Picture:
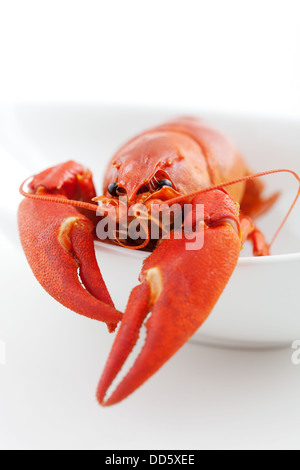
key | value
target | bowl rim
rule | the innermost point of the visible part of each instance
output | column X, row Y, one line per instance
column 243, row 261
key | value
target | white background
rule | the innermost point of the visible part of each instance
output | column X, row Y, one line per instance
column 230, row 56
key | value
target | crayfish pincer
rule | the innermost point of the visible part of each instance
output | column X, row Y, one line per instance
column 164, row 192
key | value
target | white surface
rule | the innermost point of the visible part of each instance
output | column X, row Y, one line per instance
column 203, row 398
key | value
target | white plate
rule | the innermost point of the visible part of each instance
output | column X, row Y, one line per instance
column 261, row 303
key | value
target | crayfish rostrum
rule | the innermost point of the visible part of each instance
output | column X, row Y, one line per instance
column 184, row 164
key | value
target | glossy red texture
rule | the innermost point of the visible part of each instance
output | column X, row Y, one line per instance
column 191, row 154
column 180, row 300
column 179, row 287
column 58, row 242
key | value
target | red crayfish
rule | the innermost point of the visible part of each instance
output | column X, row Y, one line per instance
column 182, row 162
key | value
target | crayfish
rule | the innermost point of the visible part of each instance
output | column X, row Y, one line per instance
column 183, row 164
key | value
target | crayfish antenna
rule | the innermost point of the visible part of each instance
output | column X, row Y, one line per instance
column 270, row 202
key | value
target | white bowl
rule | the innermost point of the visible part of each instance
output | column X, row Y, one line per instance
column 259, row 307
column 261, row 304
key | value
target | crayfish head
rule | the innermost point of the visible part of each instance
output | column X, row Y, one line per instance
column 153, row 160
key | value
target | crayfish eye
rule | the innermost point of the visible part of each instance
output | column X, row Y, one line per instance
column 112, row 189
column 115, row 190
column 143, row 189
column 165, row 182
